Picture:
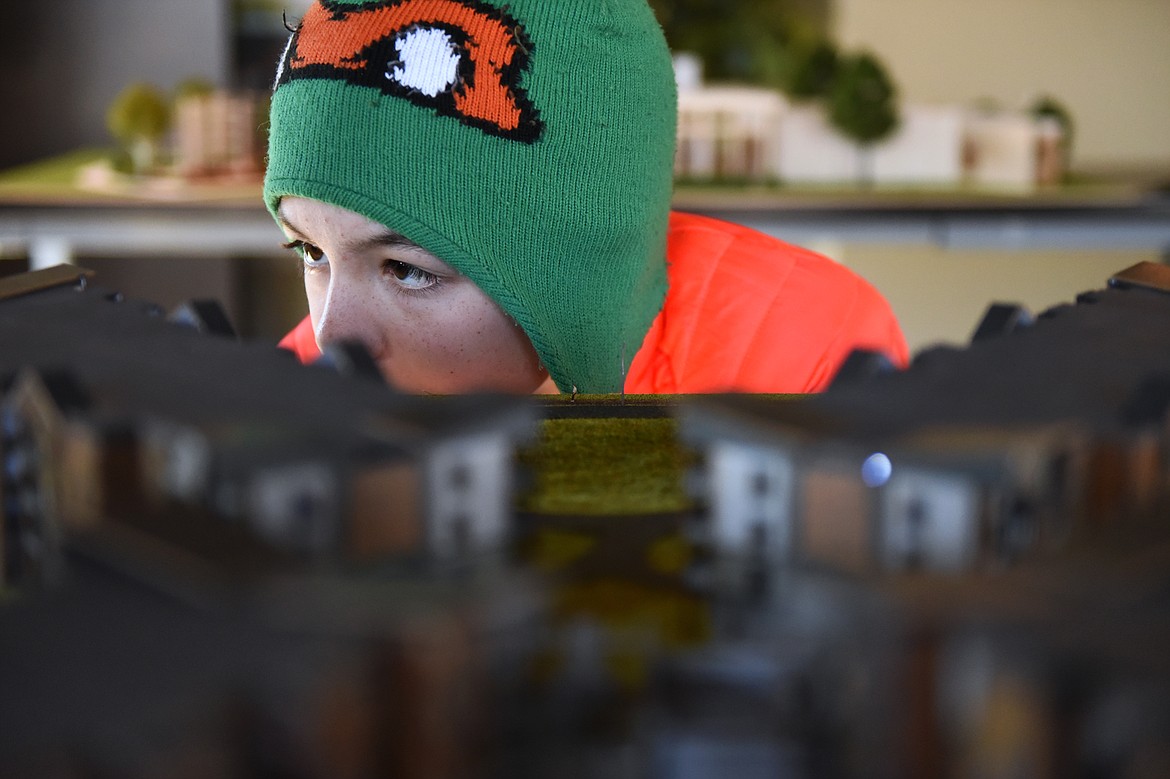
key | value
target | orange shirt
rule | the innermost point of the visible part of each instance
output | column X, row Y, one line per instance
column 744, row 312
column 747, row 312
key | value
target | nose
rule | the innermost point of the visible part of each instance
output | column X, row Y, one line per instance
column 349, row 314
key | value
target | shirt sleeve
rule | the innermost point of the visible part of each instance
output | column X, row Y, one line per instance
column 747, row 312
column 869, row 323
column 302, row 342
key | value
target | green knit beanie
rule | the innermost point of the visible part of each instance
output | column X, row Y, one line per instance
column 528, row 144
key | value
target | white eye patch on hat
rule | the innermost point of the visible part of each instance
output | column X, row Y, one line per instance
column 428, row 61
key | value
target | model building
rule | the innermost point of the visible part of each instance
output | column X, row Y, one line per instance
column 955, row 570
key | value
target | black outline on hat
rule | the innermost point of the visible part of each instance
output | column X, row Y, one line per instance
column 381, row 54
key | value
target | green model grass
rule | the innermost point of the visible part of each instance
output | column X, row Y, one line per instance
column 52, row 173
column 605, row 467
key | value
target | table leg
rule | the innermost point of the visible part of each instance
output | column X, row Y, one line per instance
column 45, row 252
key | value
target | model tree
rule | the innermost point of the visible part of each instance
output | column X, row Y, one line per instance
column 812, row 69
column 863, row 106
column 746, row 41
column 138, row 118
column 194, row 86
column 1048, row 107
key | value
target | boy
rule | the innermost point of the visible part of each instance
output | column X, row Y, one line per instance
column 480, row 193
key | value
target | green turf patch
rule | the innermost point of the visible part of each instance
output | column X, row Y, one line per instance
column 605, row 467
column 58, row 171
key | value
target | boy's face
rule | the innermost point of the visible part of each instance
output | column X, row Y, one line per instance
column 428, row 327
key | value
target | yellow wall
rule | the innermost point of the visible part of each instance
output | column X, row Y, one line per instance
column 939, row 295
column 1107, row 60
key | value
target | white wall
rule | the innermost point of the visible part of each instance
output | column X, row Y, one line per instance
column 1108, row 60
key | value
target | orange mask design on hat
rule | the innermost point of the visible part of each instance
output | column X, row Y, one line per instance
column 363, row 43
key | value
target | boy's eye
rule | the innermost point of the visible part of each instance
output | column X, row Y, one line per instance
column 312, row 252
column 410, row 276
column 312, row 255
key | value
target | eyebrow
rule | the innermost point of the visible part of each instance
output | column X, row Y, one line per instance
column 384, row 239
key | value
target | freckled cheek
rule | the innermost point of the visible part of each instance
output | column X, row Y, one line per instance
column 461, row 330
column 451, row 330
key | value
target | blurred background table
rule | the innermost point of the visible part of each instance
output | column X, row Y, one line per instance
column 48, row 217
column 146, row 237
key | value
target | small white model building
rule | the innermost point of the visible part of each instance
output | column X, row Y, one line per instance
column 810, row 151
column 926, row 149
column 1014, row 151
column 744, row 134
column 947, row 500
column 728, row 133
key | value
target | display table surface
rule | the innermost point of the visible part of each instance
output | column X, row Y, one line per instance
column 49, row 215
